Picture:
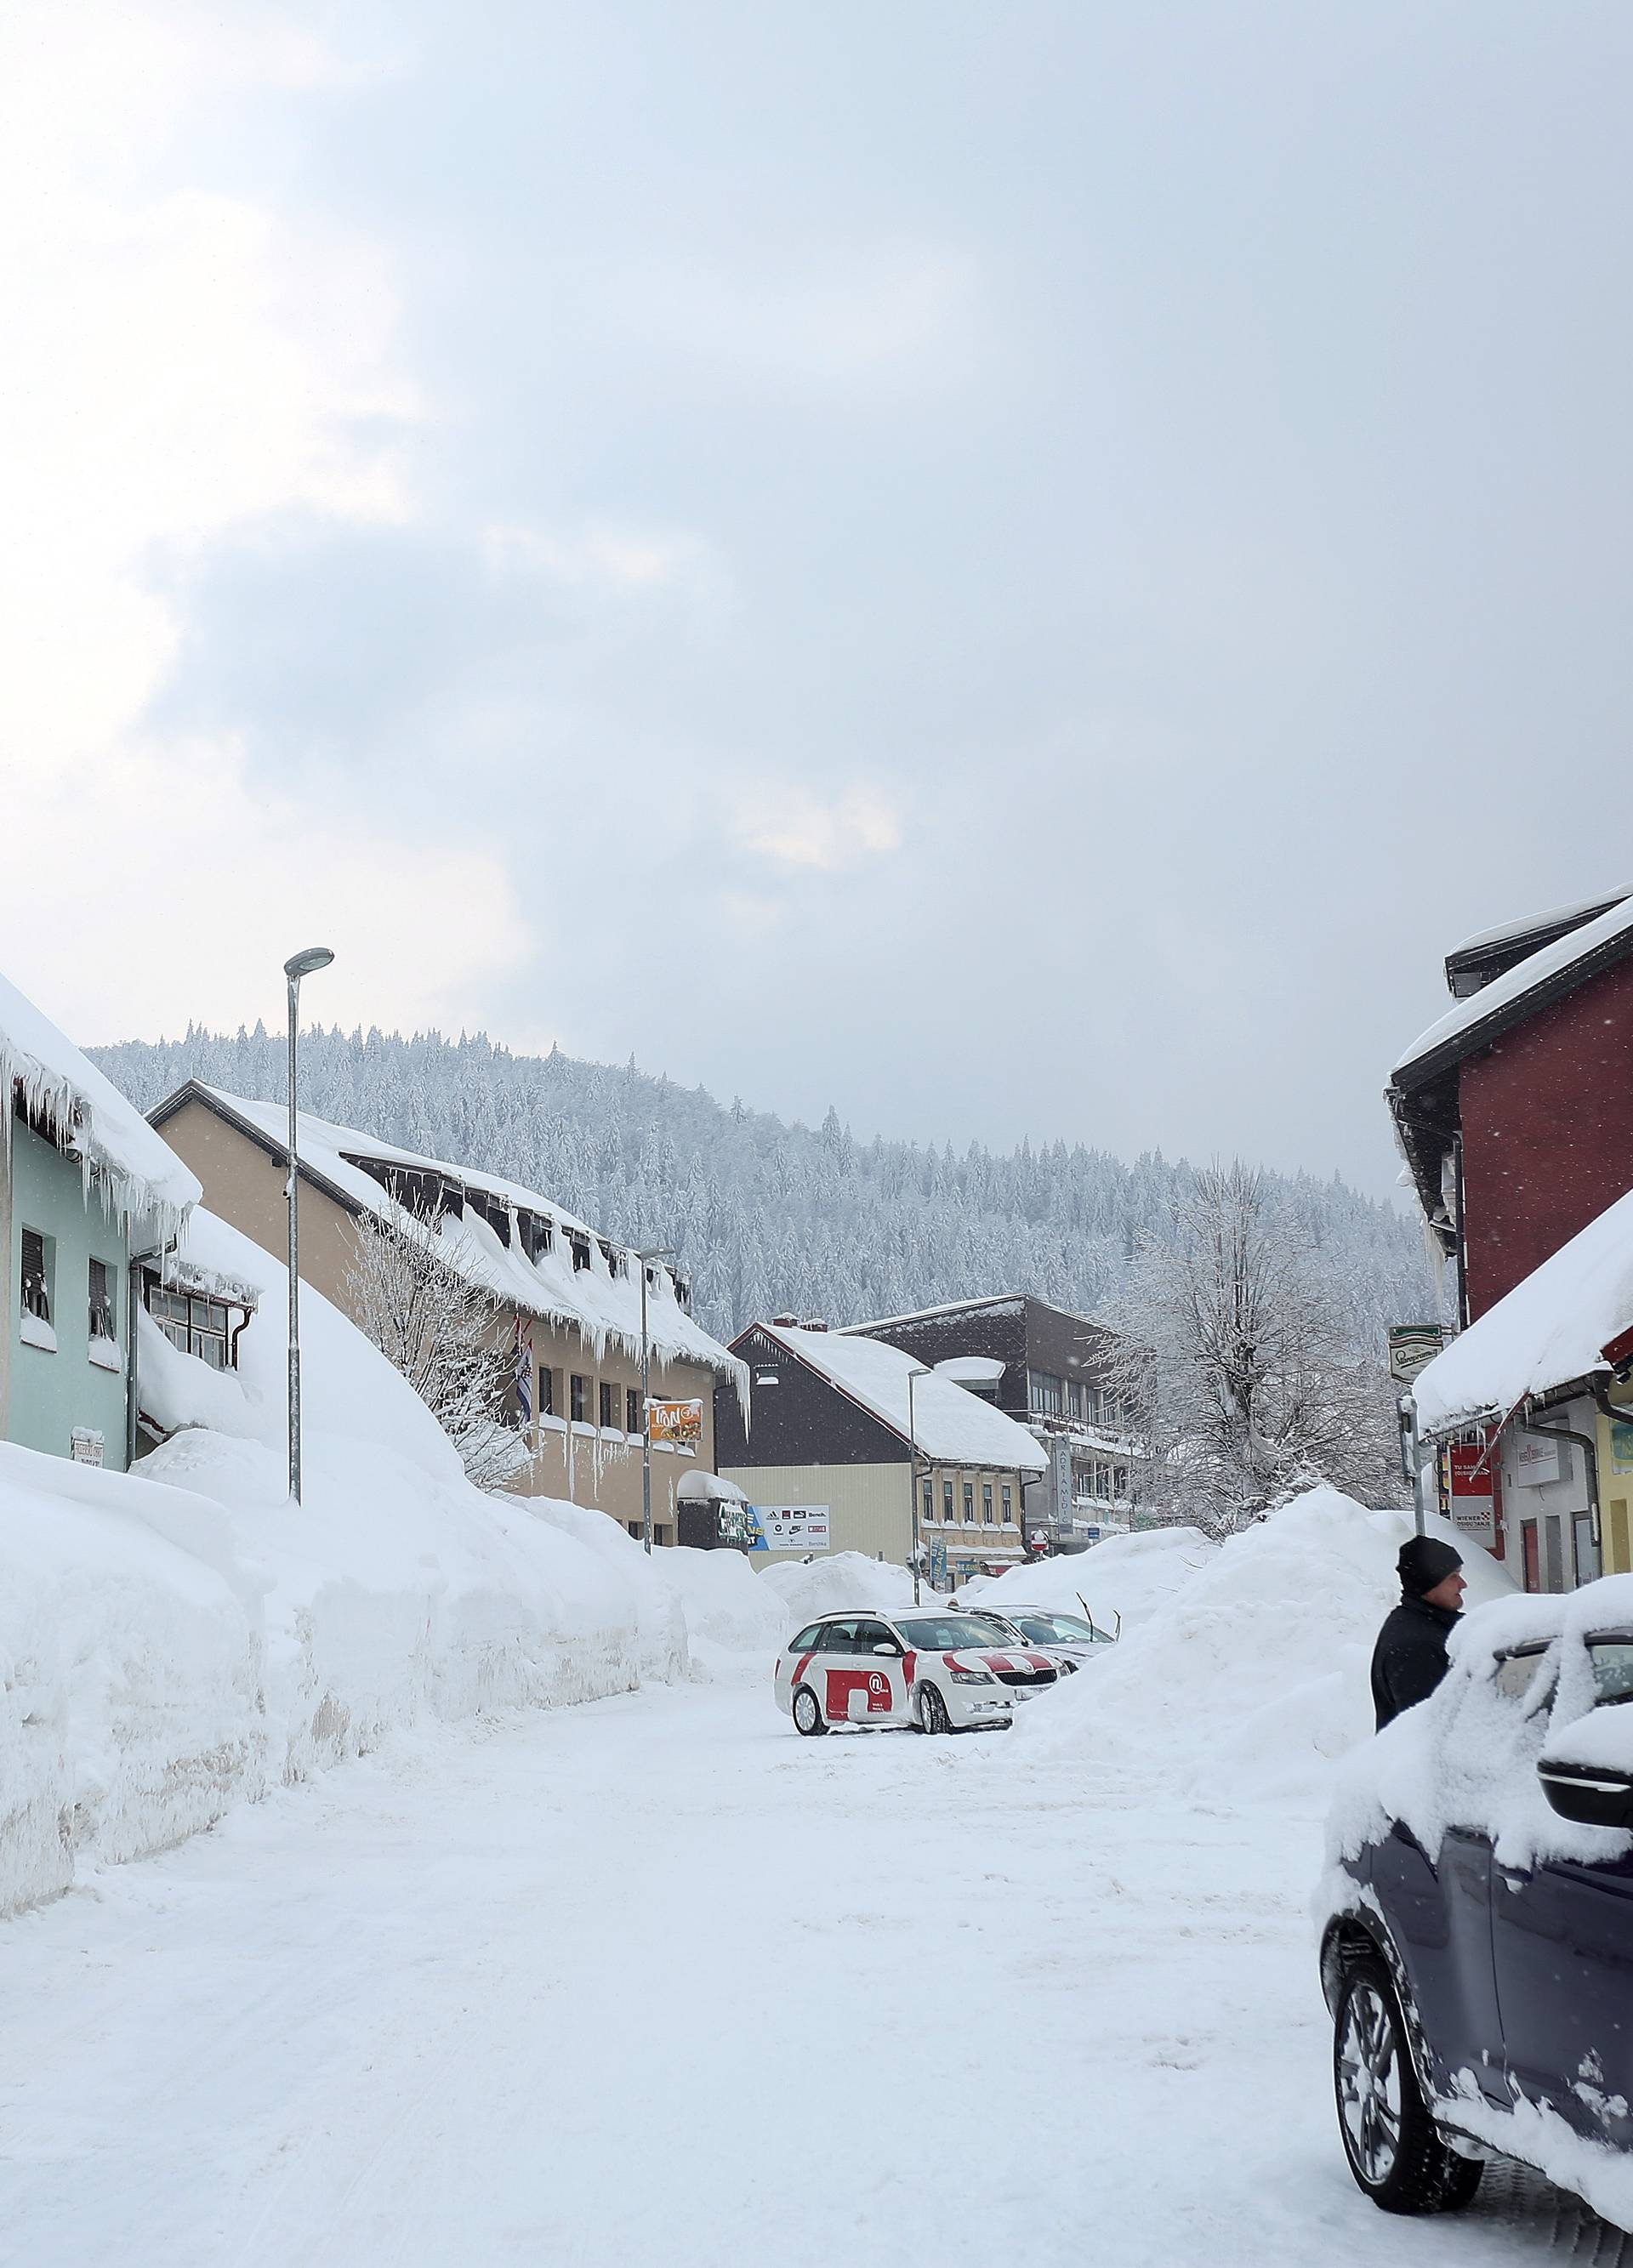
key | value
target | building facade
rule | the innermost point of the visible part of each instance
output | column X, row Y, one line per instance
column 831, row 1423
column 1510, row 1114
column 87, row 1191
column 1052, row 1380
column 567, row 1300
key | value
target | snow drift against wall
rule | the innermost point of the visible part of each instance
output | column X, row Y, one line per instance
column 181, row 1639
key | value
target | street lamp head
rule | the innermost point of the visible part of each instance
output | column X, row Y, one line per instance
column 304, row 964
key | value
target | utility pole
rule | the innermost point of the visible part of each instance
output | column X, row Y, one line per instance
column 913, row 1376
column 645, row 1259
column 299, row 965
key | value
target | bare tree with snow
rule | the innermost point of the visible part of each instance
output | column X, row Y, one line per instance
column 1234, row 1352
column 444, row 1333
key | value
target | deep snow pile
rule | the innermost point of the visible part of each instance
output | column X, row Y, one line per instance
column 723, row 1600
column 1252, row 1679
column 839, row 1581
column 182, row 1637
column 1120, row 1583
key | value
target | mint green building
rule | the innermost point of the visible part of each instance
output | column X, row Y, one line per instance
column 86, row 1189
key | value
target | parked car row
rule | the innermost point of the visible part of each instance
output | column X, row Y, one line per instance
column 932, row 1669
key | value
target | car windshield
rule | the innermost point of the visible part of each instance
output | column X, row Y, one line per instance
column 1060, row 1630
column 946, row 1631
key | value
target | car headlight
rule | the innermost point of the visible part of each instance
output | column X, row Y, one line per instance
column 973, row 1677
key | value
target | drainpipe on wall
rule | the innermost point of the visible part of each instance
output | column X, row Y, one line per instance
column 133, row 1301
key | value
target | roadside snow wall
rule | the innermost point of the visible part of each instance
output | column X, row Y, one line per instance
column 181, row 1639
column 1122, row 1583
column 1252, row 1679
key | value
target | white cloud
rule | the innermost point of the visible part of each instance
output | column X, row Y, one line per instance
column 798, row 829
column 189, row 362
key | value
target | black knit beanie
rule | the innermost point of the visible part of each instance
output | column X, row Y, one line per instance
column 1425, row 1561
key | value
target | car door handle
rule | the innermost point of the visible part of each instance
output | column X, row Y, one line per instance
column 1512, row 1878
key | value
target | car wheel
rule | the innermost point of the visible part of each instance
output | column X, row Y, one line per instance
column 807, row 1717
column 933, row 1716
column 1394, row 2149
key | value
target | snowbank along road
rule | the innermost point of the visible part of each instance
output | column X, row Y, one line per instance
column 653, row 1981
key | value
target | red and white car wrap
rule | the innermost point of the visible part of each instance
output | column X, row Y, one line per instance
column 931, row 1669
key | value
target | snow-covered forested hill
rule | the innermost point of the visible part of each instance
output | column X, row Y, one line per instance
column 764, row 1215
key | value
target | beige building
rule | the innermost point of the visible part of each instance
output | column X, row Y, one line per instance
column 878, row 1445
column 568, row 1299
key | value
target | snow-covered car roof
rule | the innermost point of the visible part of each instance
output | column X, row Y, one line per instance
column 1552, row 1328
column 603, row 1306
column 136, row 1173
column 950, row 1425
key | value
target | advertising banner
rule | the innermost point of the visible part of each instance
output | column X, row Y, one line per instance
column 1470, row 1495
column 679, row 1423
column 789, row 1527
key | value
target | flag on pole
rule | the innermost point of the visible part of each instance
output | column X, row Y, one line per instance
column 524, row 1368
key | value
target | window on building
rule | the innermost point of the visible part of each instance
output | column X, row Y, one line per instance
column 37, row 1288
column 947, row 1502
column 608, row 1405
column 1103, row 1480
column 547, row 1392
column 635, row 1529
column 1120, row 1481
column 631, row 1409
column 1044, row 1393
column 101, row 1310
column 928, row 1508
column 659, row 1533
column 683, row 1295
column 618, row 1262
column 578, row 1393
column 987, row 1503
column 1009, row 1505
column 1077, row 1395
column 580, row 1254
column 969, row 1504
column 536, row 1235
column 192, row 1323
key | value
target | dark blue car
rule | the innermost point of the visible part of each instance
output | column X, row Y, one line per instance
column 1477, row 1956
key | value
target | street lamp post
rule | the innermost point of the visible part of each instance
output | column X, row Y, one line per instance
column 659, row 1253
column 913, row 1376
column 300, row 964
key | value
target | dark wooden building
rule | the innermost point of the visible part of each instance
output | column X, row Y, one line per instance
column 853, row 1429
column 1053, row 1381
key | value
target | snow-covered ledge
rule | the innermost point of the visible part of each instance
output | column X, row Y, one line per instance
column 107, row 1354
column 37, row 1332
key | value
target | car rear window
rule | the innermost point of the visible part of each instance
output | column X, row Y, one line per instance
column 1613, row 1667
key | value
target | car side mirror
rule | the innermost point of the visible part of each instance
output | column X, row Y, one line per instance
column 883, row 1646
column 1592, row 1795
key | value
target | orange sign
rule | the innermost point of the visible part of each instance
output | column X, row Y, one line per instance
column 679, row 1423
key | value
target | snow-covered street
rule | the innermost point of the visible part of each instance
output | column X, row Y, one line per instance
column 651, row 1980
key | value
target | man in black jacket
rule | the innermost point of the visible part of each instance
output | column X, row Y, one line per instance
column 1409, row 1659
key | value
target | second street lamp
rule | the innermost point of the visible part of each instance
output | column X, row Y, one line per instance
column 913, row 1376
column 299, row 964
column 646, row 1259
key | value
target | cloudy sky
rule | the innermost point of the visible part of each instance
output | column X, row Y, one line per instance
column 1018, row 569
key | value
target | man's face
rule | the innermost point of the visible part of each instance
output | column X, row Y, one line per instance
column 1448, row 1592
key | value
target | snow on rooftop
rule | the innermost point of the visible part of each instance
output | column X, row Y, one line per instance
column 140, row 1176
column 1505, row 932
column 1549, row 1331
column 1523, row 977
column 1002, row 1303
column 951, row 1425
column 605, row 1308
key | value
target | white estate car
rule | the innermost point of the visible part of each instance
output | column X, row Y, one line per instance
column 939, row 1672
column 1070, row 1640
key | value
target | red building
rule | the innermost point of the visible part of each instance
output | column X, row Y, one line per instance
column 1514, row 1111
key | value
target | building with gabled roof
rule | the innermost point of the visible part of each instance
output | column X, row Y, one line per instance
column 569, row 1298
column 836, row 1429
